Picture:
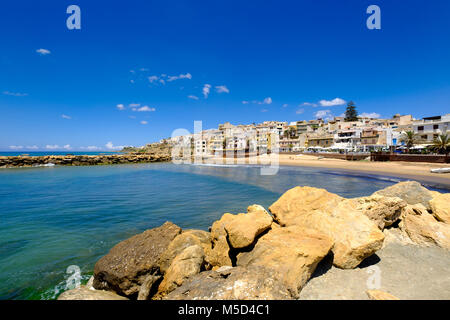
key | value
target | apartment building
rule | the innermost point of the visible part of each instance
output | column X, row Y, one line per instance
column 429, row 128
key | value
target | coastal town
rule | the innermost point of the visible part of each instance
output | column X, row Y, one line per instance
column 359, row 134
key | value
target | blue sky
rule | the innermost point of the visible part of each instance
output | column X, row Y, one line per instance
column 263, row 60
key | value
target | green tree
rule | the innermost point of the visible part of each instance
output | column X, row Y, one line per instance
column 441, row 144
column 409, row 138
column 350, row 113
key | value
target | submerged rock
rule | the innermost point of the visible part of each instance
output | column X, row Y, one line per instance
column 88, row 293
column 128, row 264
column 354, row 235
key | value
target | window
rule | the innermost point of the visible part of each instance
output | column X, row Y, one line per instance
column 435, row 126
column 420, row 128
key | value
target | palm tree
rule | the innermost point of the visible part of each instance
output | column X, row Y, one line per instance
column 441, row 144
column 409, row 138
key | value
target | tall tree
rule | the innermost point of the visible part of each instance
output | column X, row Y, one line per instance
column 350, row 113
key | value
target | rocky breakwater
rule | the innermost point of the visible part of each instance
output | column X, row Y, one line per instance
column 80, row 160
column 269, row 254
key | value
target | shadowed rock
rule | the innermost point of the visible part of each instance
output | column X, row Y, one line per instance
column 232, row 283
column 128, row 264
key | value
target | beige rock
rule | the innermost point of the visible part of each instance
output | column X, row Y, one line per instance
column 232, row 283
column 86, row 293
column 236, row 232
column 384, row 211
column 410, row 191
column 186, row 264
column 423, row 229
column 128, row 264
column 186, row 239
column 292, row 253
column 380, row 295
column 355, row 236
column 440, row 206
column 245, row 227
column 220, row 252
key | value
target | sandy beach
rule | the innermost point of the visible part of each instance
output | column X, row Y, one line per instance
column 408, row 170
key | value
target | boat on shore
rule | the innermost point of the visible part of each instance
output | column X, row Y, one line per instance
column 440, row 170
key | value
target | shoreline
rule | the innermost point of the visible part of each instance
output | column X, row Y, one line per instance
column 404, row 170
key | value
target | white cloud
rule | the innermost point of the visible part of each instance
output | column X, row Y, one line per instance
column 144, row 109
column 120, row 107
column 144, row 122
column 91, row 148
column 32, row 147
column 67, row 147
column 331, row 103
column 264, row 110
column 245, row 102
column 181, row 76
column 15, row 94
column 153, row 78
column 43, row 51
column 111, row 146
column 16, row 147
column 324, row 115
column 65, row 116
column 52, row 147
column 220, row 89
column 309, row 104
column 300, row 111
column 370, row 115
column 285, row 105
column 134, row 105
column 193, row 97
column 205, row 90
column 267, row 100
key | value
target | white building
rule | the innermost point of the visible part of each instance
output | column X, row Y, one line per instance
column 430, row 128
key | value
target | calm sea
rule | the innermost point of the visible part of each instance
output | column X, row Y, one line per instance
column 55, row 217
column 47, row 153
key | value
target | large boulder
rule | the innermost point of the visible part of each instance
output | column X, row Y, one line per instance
column 423, row 229
column 130, row 263
column 188, row 263
column 243, row 229
column 410, row 191
column 220, row 251
column 440, row 206
column 355, row 236
column 235, row 232
column 292, row 253
column 184, row 240
column 88, row 293
column 232, row 283
column 384, row 211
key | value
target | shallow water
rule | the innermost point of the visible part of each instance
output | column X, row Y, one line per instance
column 55, row 217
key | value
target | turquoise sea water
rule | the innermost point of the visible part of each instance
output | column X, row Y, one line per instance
column 54, row 217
